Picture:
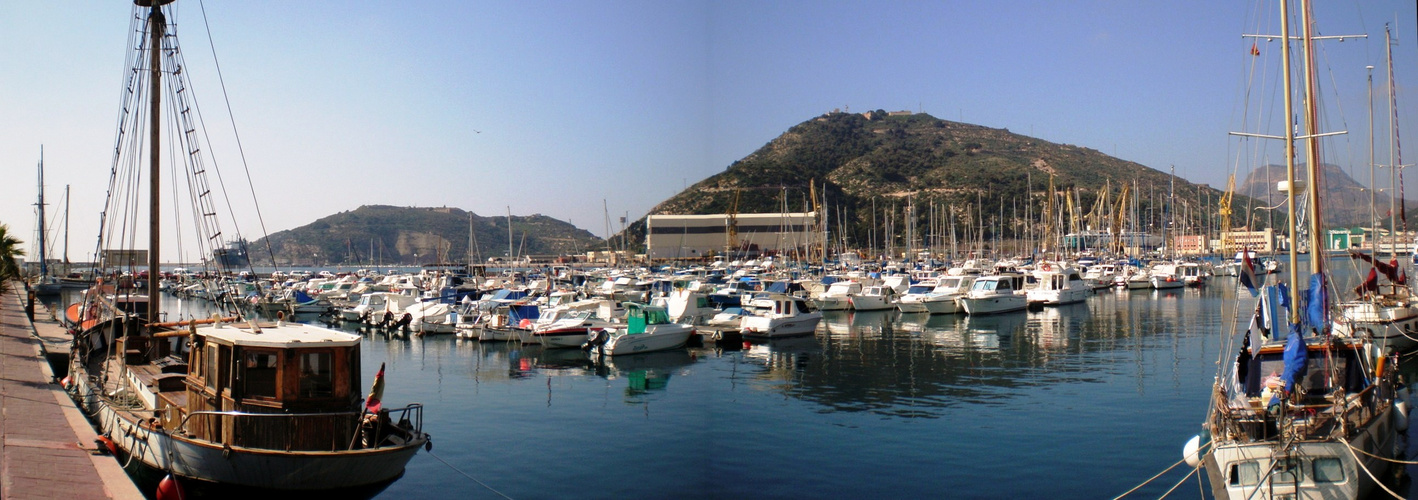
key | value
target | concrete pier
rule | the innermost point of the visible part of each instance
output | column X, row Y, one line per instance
column 47, row 448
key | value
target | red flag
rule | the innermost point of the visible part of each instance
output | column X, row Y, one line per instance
column 1255, row 51
column 376, row 392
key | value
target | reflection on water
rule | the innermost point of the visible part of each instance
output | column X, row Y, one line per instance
column 950, row 401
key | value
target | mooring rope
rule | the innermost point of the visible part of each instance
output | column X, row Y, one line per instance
column 460, row 471
column 1367, row 472
column 1390, row 460
column 1179, row 483
column 1159, row 474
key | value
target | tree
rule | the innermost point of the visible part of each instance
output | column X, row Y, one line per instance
column 9, row 249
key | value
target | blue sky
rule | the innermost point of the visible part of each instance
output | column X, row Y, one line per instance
column 560, row 107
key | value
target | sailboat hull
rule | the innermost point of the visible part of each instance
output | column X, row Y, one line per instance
column 1322, row 469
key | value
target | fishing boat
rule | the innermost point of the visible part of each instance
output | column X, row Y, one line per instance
column 228, row 404
column 1298, row 409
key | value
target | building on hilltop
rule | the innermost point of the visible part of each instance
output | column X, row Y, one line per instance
column 699, row 236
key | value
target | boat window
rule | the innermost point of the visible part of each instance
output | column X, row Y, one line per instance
column 210, row 363
column 1245, row 473
column 984, row 285
column 261, row 368
column 1287, row 471
column 316, row 375
column 1328, row 470
column 801, row 306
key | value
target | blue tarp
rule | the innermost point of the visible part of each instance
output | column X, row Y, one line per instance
column 516, row 314
column 301, row 298
column 1317, row 302
column 1296, row 355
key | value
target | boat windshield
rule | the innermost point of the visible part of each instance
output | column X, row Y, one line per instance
column 985, row 285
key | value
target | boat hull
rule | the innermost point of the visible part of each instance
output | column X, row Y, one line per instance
column 1376, row 439
column 993, row 304
column 247, row 467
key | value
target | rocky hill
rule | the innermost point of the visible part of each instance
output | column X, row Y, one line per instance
column 417, row 235
column 870, row 164
column 1346, row 201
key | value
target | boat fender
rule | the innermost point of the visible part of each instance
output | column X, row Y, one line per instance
column 427, row 443
column 226, row 451
column 106, row 444
column 1192, row 451
column 1401, row 408
column 170, row 489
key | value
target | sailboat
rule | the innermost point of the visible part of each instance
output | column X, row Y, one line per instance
column 225, row 404
column 46, row 284
column 1302, row 410
column 1385, row 310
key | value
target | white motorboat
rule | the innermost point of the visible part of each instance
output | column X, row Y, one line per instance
column 994, row 294
column 838, row 296
column 1164, row 276
column 1056, row 284
column 874, row 298
column 646, row 329
column 779, row 316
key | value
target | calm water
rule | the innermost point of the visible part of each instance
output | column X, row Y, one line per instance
column 1081, row 401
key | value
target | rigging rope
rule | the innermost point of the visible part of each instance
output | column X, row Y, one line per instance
column 260, row 218
column 460, row 471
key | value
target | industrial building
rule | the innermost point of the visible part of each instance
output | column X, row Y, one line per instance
column 698, row 236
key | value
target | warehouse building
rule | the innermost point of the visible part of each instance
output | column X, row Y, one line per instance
column 698, row 236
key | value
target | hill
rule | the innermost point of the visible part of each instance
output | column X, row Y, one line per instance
column 1346, row 201
column 417, row 235
column 869, row 164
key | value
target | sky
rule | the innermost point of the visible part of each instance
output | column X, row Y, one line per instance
column 587, row 111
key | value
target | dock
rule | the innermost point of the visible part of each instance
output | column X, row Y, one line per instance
column 47, row 447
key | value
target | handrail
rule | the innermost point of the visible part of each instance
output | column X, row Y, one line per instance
column 415, row 408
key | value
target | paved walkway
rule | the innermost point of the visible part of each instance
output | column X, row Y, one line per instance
column 45, row 442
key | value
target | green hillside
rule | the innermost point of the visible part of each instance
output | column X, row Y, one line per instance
column 381, row 234
column 871, row 159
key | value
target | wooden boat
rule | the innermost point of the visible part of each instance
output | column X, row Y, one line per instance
column 225, row 404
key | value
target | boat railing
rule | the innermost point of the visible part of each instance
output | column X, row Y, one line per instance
column 324, row 431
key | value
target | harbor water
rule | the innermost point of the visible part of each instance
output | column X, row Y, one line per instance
column 1080, row 401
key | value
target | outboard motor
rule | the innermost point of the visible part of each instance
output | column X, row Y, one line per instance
column 404, row 321
column 596, row 338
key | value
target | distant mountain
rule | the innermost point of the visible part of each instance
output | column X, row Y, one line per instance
column 416, row 235
column 872, row 163
column 1345, row 203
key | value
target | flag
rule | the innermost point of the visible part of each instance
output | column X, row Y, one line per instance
column 376, row 392
column 1255, row 50
column 1248, row 273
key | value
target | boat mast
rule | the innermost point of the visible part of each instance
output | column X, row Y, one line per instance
column 1312, row 145
column 156, row 24
column 43, row 265
column 1289, row 158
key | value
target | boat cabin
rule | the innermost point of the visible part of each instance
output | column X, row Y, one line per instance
column 284, row 369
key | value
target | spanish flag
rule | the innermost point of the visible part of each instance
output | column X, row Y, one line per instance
column 376, row 393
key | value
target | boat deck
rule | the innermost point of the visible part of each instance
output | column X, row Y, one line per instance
column 45, row 443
